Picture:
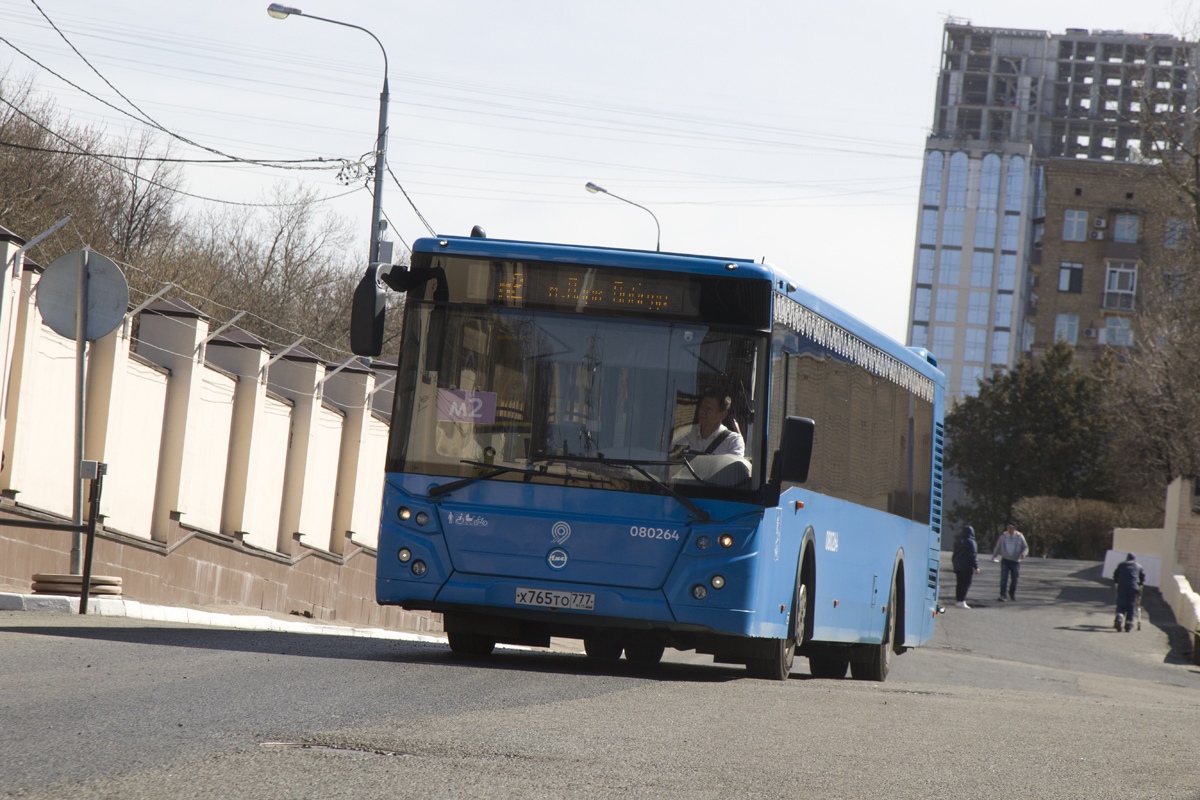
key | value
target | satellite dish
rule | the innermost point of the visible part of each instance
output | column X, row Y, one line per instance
column 107, row 294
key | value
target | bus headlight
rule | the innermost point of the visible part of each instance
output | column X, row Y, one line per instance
column 717, row 582
column 699, row 591
column 404, row 554
column 725, row 540
column 418, row 568
column 703, row 542
column 422, row 519
column 403, row 513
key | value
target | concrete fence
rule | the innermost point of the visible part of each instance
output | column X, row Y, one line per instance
column 235, row 475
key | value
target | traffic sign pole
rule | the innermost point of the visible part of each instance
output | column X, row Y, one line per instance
column 81, row 310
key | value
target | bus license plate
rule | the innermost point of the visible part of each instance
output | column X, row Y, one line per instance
column 549, row 598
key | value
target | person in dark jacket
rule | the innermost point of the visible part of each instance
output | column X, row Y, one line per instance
column 1129, row 578
column 966, row 564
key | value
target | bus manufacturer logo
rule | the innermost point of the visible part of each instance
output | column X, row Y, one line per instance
column 557, row 559
column 560, row 532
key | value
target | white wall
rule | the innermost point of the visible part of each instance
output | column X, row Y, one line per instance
column 132, row 449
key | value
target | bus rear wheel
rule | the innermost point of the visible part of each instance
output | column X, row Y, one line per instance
column 828, row 664
column 644, row 653
column 601, row 648
column 876, row 668
column 470, row 644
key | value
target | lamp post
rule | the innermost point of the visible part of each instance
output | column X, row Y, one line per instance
column 279, row 11
column 595, row 188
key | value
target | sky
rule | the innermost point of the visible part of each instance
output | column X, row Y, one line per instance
column 783, row 130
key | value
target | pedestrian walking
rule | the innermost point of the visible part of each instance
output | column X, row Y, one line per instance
column 1129, row 578
column 966, row 564
column 1010, row 550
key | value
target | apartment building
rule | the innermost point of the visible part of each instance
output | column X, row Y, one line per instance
column 1015, row 109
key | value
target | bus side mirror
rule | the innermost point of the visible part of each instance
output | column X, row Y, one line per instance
column 795, row 449
column 369, row 311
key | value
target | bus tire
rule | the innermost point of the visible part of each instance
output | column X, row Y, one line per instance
column 778, row 666
column 827, row 663
column 470, row 644
column 876, row 668
column 602, row 648
column 644, row 653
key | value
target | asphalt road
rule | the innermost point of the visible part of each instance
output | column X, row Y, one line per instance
column 1037, row 699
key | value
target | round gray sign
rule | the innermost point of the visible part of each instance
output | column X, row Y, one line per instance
column 107, row 294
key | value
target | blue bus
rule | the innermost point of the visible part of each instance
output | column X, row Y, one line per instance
column 539, row 484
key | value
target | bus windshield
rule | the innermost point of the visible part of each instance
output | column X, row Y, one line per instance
column 521, row 394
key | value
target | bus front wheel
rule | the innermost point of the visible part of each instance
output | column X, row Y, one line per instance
column 778, row 665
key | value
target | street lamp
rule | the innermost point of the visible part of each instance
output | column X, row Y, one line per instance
column 594, row 188
column 280, row 11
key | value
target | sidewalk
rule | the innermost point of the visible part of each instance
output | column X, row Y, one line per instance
column 237, row 619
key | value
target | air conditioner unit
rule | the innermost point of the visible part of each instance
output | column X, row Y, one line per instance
column 1089, row 333
column 1096, row 235
column 1100, row 222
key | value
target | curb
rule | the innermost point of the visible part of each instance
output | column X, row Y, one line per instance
column 117, row 607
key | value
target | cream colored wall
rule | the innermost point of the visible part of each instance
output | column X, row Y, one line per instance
column 206, row 451
column 41, row 446
column 132, row 450
column 368, row 494
column 163, row 421
column 264, row 478
column 320, row 479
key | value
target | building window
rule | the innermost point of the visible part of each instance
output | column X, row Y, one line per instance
column 925, row 266
column 929, row 226
column 1070, row 277
column 953, row 221
column 1075, row 225
column 921, row 305
column 1117, row 332
column 981, row 269
column 1176, row 230
column 943, row 343
column 920, row 336
column 1007, row 279
column 1009, row 237
column 1004, row 308
column 1000, row 347
column 1066, row 328
column 989, row 182
column 948, row 265
column 947, row 305
column 956, row 182
column 978, row 305
column 971, row 376
column 1125, row 228
column 1120, row 285
column 1016, row 183
column 985, row 230
column 933, row 178
column 975, row 344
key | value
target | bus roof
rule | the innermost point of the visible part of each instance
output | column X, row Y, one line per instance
column 781, row 281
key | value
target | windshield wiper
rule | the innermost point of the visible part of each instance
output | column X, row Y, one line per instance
column 490, row 472
column 639, row 466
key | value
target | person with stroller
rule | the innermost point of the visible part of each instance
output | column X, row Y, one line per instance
column 966, row 564
column 1129, row 578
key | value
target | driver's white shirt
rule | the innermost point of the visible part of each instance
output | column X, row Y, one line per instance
column 732, row 445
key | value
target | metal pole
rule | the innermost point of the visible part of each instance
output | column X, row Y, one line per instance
column 93, row 514
column 380, row 166
column 81, row 305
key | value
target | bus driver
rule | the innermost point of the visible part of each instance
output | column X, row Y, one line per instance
column 709, row 435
